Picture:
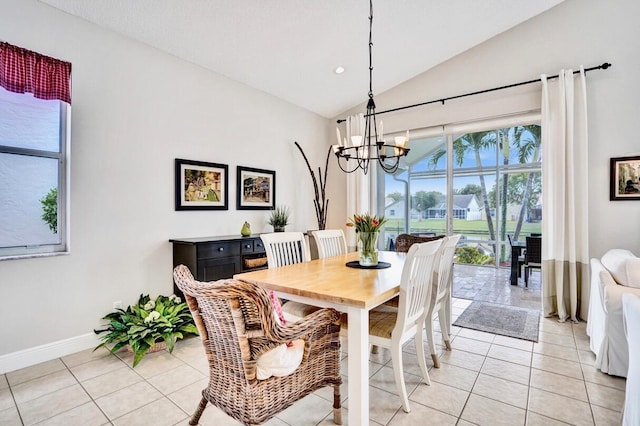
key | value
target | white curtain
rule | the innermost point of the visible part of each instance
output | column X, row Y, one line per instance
column 565, row 254
column 361, row 188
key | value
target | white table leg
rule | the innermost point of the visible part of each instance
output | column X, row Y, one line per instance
column 447, row 308
column 358, row 365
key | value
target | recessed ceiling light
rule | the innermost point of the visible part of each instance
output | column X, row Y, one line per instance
column 339, row 70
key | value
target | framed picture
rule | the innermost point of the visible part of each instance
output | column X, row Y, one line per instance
column 625, row 178
column 201, row 186
column 256, row 189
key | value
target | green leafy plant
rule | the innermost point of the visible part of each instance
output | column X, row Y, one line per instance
column 471, row 255
column 279, row 217
column 141, row 326
column 50, row 209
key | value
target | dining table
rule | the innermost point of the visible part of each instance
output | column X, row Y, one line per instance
column 329, row 282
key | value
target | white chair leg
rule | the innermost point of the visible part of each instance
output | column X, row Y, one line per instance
column 396, row 359
column 442, row 317
column 420, row 354
column 428, row 325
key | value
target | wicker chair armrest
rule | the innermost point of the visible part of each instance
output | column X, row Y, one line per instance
column 306, row 326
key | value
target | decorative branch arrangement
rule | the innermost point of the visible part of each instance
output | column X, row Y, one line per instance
column 320, row 203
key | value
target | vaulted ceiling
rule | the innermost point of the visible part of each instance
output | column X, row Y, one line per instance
column 290, row 48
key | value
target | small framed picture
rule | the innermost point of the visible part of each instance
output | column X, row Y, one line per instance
column 201, row 186
column 256, row 189
column 625, row 178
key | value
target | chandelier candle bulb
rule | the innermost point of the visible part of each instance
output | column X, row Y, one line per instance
column 338, row 134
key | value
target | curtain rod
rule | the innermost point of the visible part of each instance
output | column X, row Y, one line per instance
column 604, row 66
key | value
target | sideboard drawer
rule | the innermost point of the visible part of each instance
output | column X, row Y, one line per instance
column 247, row 246
column 221, row 249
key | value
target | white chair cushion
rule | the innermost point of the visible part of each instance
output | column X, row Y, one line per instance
column 615, row 261
column 280, row 361
column 633, row 272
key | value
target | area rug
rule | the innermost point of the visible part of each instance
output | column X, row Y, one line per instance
column 505, row 320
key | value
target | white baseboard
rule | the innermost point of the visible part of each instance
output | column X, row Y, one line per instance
column 28, row 357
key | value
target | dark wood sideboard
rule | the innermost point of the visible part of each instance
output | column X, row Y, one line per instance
column 215, row 258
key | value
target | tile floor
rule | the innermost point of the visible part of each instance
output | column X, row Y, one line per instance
column 486, row 379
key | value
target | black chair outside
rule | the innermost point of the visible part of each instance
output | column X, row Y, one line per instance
column 517, row 259
column 532, row 257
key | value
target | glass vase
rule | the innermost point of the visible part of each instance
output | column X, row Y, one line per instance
column 368, row 248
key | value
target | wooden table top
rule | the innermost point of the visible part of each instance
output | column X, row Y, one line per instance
column 332, row 281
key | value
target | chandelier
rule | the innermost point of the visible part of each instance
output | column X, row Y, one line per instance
column 370, row 146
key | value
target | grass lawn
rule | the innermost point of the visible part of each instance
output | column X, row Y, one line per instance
column 466, row 227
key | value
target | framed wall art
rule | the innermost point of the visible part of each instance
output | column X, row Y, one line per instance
column 625, row 178
column 256, row 189
column 201, row 186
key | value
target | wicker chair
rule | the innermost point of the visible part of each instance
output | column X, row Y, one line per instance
column 237, row 325
column 405, row 241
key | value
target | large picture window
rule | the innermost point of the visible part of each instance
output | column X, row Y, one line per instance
column 34, row 139
column 481, row 180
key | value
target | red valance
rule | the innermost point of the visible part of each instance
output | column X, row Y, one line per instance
column 24, row 71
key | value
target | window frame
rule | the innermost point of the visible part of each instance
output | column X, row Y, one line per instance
column 63, row 158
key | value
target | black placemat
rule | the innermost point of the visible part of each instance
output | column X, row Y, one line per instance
column 356, row 264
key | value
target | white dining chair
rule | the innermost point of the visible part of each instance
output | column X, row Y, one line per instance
column 439, row 295
column 330, row 242
column 287, row 248
column 631, row 316
column 390, row 327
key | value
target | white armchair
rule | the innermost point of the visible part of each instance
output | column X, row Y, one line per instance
column 616, row 273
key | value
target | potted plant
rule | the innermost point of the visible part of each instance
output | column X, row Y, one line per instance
column 279, row 218
column 146, row 324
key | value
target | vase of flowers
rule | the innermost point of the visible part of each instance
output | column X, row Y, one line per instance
column 147, row 325
column 367, row 231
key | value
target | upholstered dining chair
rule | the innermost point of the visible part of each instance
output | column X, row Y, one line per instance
column 440, row 293
column 631, row 316
column 532, row 257
column 390, row 327
column 238, row 326
column 287, row 248
column 330, row 242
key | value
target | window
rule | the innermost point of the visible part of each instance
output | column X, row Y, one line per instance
column 34, row 112
column 481, row 180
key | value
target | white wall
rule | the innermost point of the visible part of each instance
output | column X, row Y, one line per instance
column 574, row 33
column 136, row 109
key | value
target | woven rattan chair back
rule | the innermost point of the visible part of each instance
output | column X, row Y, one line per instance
column 442, row 281
column 404, row 241
column 237, row 324
column 285, row 248
column 330, row 242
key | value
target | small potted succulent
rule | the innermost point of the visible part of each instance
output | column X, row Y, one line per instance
column 279, row 218
column 147, row 326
